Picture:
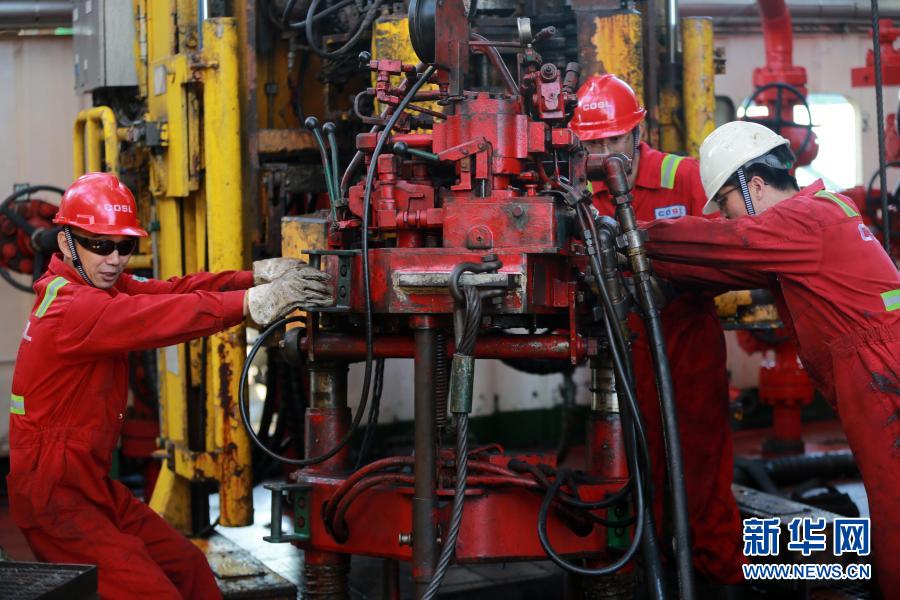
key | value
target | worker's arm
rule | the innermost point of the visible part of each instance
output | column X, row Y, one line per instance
column 94, row 324
column 777, row 241
column 710, row 279
column 223, row 281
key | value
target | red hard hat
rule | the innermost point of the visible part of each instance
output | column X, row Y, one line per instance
column 101, row 204
column 607, row 106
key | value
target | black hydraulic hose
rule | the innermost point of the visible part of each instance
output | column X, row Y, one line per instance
column 788, row 470
column 616, row 168
column 301, row 25
column 879, row 108
column 367, row 376
column 633, row 420
column 619, row 348
column 372, row 422
column 245, row 413
column 654, row 576
column 312, row 124
column 572, row 500
column 497, row 60
column 671, row 437
column 364, row 25
column 367, row 200
column 573, row 568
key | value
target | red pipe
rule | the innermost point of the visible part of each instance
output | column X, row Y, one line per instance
column 343, row 347
column 778, row 34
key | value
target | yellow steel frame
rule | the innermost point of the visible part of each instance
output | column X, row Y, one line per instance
column 617, row 47
column 192, row 99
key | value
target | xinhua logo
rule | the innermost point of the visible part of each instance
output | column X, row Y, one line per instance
column 808, row 536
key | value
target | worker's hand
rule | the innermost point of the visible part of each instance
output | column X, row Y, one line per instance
column 295, row 289
column 270, row 269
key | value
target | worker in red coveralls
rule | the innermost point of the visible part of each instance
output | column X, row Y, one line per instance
column 607, row 119
column 837, row 292
column 70, row 386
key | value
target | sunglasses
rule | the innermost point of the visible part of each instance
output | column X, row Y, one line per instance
column 105, row 247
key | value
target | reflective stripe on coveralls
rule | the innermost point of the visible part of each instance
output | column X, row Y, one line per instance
column 848, row 210
column 17, row 404
column 667, row 170
column 891, row 300
column 50, row 296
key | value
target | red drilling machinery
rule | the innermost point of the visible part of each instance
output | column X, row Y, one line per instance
column 470, row 231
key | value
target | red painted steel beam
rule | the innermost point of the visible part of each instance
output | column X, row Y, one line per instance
column 330, row 346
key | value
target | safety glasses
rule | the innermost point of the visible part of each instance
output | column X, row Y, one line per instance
column 722, row 196
column 105, row 247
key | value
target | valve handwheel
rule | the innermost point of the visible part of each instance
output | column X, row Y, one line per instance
column 777, row 122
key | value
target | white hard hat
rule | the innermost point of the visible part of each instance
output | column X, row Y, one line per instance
column 730, row 147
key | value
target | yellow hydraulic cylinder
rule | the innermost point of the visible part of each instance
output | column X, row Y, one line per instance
column 612, row 44
column 699, row 76
column 222, row 140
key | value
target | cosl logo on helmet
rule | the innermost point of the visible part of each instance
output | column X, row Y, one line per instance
column 595, row 105
column 124, row 208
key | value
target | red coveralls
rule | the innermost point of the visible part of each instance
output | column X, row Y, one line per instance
column 669, row 186
column 69, row 394
column 839, row 294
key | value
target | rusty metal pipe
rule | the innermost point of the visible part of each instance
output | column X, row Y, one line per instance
column 353, row 348
column 424, row 467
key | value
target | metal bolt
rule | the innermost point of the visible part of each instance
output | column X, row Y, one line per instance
column 344, row 269
column 405, row 539
column 518, row 211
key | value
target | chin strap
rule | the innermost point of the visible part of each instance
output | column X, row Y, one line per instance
column 75, row 259
column 745, row 191
column 635, row 148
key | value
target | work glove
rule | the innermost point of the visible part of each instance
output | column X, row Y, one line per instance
column 295, row 289
column 270, row 269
